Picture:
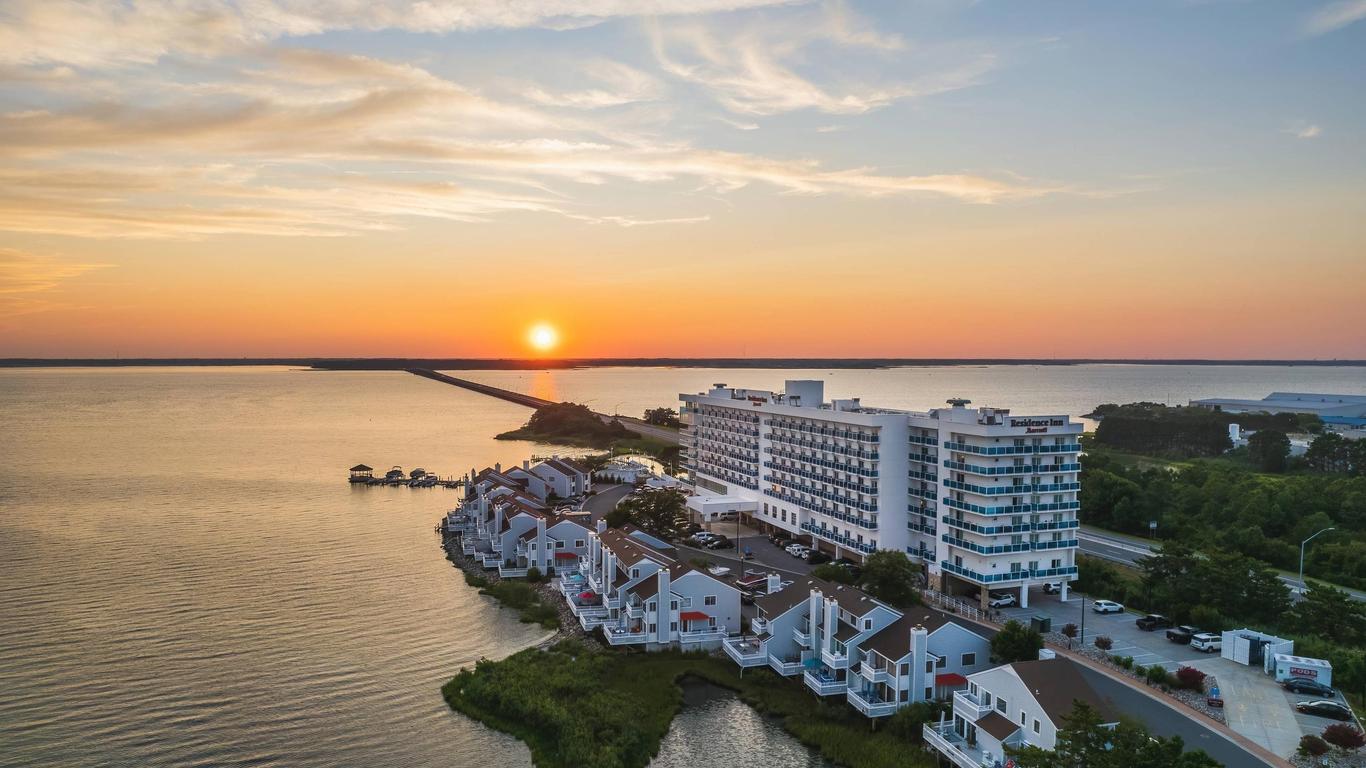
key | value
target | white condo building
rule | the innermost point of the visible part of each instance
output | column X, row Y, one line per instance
column 983, row 499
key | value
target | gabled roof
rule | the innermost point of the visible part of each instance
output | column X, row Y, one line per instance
column 630, row 550
column 362, row 468
column 894, row 640
column 566, row 467
column 1056, row 683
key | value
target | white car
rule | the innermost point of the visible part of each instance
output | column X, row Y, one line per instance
column 1001, row 599
column 1207, row 642
column 797, row 550
column 1107, row 606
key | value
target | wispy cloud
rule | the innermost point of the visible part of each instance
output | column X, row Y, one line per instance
column 26, row 280
column 1335, row 16
column 1301, row 129
column 619, row 84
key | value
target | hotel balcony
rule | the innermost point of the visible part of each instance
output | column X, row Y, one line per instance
column 870, row 704
column 493, row 561
column 969, row 706
column 572, row 584
column 785, row 667
column 955, row 748
column 635, row 610
column 824, row 682
column 747, row 651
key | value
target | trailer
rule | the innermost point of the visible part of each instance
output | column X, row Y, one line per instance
column 1287, row 667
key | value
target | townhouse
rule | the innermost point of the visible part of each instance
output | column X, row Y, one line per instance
column 1014, row 705
column 634, row 589
column 564, row 477
column 982, row 499
column 845, row 643
column 506, row 523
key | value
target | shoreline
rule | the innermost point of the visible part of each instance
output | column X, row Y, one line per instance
column 521, row 364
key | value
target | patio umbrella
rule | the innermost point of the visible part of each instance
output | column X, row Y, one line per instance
column 587, row 595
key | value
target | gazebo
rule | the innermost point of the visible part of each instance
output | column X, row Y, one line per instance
column 361, row 473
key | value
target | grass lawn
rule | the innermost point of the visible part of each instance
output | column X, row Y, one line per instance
column 576, row 705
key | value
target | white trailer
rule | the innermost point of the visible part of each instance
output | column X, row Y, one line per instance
column 1303, row 667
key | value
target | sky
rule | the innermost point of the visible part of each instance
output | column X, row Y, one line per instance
column 674, row 178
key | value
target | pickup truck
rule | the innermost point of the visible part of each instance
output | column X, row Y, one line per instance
column 1182, row 634
column 1152, row 622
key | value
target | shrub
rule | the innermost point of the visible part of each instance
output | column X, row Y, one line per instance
column 1344, row 736
column 1140, row 670
column 533, row 574
column 1104, row 643
column 906, row 723
column 1127, row 662
column 1016, row 642
column 1207, row 617
column 1190, row 677
column 832, row 572
column 1069, row 631
column 475, row 580
column 1157, row 675
column 1312, row 746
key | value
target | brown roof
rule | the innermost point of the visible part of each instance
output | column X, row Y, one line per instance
column 782, row 601
column 565, row 467
column 1057, row 683
column 845, row 632
column 996, row 725
column 629, row 550
column 894, row 640
column 647, row 588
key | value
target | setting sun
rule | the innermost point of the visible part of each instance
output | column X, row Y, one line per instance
column 543, row 337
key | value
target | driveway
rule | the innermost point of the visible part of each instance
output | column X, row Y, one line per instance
column 606, row 498
column 1256, row 707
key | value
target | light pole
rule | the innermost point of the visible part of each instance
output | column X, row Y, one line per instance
column 1302, row 543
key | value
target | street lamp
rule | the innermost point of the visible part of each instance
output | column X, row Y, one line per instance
column 1302, row 543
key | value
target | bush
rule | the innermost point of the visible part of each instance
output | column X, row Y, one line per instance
column 1104, row 642
column 906, row 723
column 1127, row 662
column 1158, row 676
column 475, row 580
column 1344, row 736
column 1069, row 631
column 1312, row 746
column 832, row 572
column 1191, row 678
column 1207, row 617
column 1015, row 642
column 533, row 575
column 1141, row 670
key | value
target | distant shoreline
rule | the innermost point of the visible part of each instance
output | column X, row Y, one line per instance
column 514, row 364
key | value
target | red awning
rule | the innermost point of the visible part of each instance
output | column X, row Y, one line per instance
column 693, row 616
column 950, row 679
column 566, row 556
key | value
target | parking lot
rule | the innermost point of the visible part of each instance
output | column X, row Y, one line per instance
column 1255, row 705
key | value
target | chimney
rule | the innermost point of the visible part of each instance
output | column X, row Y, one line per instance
column 775, row 582
column 526, row 464
column 662, row 613
column 498, row 467
column 602, row 526
column 920, row 648
column 541, row 544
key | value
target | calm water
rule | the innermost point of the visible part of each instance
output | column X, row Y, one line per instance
column 187, row 579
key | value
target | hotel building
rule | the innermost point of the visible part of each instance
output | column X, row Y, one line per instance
column 986, row 501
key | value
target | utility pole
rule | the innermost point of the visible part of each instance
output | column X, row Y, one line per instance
column 1302, row 544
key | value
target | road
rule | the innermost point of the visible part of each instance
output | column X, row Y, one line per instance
column 1129, row 551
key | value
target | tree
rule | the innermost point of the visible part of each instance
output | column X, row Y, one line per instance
column 1084, row 742
column 1331, row 613
column 891, row 577
column 1312, row 745
column 832, row 572
column 906, row 723
column 662, row 417
column 1330, row 452
column 1344, row 736
column 661, row 511
column 1015, row 642
column 1268, row 449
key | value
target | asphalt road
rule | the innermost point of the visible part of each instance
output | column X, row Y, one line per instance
column 1129, row 552
column 605, row 500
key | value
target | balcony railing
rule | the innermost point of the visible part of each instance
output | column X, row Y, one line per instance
column 869, row 704
column 998, row 549
column 702, row 635
column 1063, row 544
column 622, row 637
column 1011, row 469
column 826, row 479
column 969, row 706
column 829, row 535
column 747, row 652
column 785, row 667
column 824, row 684
column 943, row 740
column 781, row 453
column 1013, row 509
column 1011, row 450
column 1011, row 490
column 837, row 498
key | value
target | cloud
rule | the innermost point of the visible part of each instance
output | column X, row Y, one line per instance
column 1335, row 16
column 1303, row 130
column 753, row 68
column 620, row 84
column 92, row 33
column 25, row 279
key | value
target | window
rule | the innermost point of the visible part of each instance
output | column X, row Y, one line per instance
column 929, row 693
column 1022, row 718
column 650, row 605
column 867, row 623
column 1000, row 705
column 673, row 626
column 578, row 543
column 905, row 669
column 929, row 666
column 709, row 600
column 673, row 605
column 1036, row 726
column 969, row 659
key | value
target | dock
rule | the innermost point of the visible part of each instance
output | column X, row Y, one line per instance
column 635, row 425
column 363, row 474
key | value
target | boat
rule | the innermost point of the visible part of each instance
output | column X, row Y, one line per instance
column 394, row 475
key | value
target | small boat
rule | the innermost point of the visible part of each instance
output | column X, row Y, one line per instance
column 394, row 475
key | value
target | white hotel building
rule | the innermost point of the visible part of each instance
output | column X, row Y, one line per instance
column 985, row 500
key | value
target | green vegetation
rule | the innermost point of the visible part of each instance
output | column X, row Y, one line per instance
column 1084, row 743
column 570, row 424
column 475, row 580
column 1179, row 432
column 575, row 706
column 1220, row 507
column 1015, row 642
column 527, row 601
column 891, row 577
column 1269, row 450
column 663, row 451
column 662, row 417
column 660, row 511
column 1331, row 452
column 832, row 572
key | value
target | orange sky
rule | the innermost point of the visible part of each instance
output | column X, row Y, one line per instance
column 737, row 178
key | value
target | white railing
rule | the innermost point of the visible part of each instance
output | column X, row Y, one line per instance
column 959, row 606
column 803, row 638
column 747, row 652
column 943, row 740
column 701, row 635
column 616, row 637
column 874, row 674
column 784, row 667
column 835, row 660
column 512, row 573
column 823, row 686
column 758, row 626
column 969, row 706
column 869, row 705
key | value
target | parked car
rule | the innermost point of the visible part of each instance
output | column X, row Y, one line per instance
column 1182, row 634
column 1207, row 642
column 850, row 567
column 1324, row 708
column 1052, row 587
column 701, row 537
column 693, row 529
column 816, row 557
column 1153, row 622
column 1001, row 599
column 1311, row 687
column 1107, row 606
column 797, row 550
column 720, row 542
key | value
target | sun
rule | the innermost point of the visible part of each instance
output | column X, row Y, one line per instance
column 543, row 337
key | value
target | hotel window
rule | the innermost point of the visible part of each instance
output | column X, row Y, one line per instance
column 969, row 659
column 709, row 600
